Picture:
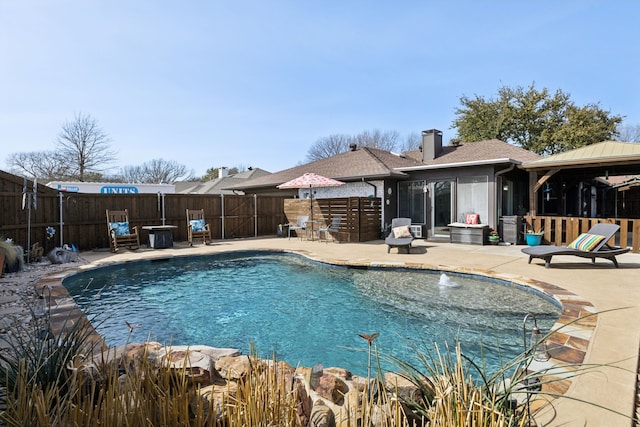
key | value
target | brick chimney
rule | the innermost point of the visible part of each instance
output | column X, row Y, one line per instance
column 431, row 144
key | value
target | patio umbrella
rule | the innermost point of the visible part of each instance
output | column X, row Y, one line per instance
column 311, row 180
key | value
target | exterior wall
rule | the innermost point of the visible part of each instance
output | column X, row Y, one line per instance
column 453, row 175
column 350, row 189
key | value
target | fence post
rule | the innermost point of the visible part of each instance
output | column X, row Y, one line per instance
column 255, row 215
column 60, row 200
column 222, row 215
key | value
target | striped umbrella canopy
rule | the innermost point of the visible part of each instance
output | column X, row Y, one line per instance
column 309, row 180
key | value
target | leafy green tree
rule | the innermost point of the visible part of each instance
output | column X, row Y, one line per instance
column 534, row 120
column 214, row 173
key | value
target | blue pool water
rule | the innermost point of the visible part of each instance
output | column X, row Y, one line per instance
column 304, row 311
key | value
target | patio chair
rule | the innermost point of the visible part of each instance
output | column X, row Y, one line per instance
column 400, row 235
column 592, row 244
column 334, row 227
column 197, row 227
column 120, row 233
column 300, row 225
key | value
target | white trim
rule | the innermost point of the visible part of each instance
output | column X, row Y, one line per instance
column 458, row 164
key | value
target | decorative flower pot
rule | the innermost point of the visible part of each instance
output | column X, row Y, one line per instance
column 494, row 240
column 533, row 239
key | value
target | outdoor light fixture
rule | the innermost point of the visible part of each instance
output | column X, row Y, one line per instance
column 538, row 346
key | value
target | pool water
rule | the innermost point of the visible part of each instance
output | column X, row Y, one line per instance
column 306, row 312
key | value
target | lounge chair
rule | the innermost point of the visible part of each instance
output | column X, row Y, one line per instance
column 197, row 228
column 120, row 232
column 299, row 225
column 592, row 244
column 334, row 227
column 400, row 235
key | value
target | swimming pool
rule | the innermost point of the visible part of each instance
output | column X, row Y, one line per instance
column 304, row 311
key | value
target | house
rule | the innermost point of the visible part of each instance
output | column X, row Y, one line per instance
column 434, row 186
column 367, row 172
column 449, row 182
column 219, row 185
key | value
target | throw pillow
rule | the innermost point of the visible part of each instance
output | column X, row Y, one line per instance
column 197, row 224
column 122, row 228
column 472, row 218
column 586, row 242
column 402, row 231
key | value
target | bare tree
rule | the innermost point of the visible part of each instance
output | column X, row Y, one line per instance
column 84, row 146
column 628, row 133
column 339, row 143
column 328, row 146
column 44, row 165
column 155, row 171
column 131, row 174
column 387, row 141
column 412, row 142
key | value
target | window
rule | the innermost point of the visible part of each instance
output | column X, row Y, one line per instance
column 411, row 201
column 473, row 197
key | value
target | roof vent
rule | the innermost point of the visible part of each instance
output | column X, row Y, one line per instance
column 353, row 147
column 455, row 142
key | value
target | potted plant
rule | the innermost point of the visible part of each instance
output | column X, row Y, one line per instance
column 533, row 236
column 494, row 237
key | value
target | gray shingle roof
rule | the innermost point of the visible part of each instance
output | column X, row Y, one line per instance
column 371, row 163
column 364, row 162
column 480, row 151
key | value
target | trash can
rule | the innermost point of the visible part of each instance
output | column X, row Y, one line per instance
column 512, row 229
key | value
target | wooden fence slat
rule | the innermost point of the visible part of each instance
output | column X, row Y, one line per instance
column 627, row 236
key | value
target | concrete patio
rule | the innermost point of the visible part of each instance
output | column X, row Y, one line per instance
column 614, row 340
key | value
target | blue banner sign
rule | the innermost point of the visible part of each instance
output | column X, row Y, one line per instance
column 68, row 188
column 119, row 189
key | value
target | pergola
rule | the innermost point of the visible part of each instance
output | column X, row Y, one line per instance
column 602, row 160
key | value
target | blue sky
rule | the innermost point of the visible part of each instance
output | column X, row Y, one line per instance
column 256, row 83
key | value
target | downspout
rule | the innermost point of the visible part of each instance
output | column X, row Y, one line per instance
column 499, row 189
column 375, row 189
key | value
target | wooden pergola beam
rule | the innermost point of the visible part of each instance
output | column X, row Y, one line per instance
column 534, row 186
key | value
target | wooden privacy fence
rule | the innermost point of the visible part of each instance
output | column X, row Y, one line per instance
column 85, row 225
column 360, row 215
column 84, row 215
column 560, row 230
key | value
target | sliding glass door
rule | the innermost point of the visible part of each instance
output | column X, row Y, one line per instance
column 441, row 208
column 411, row 201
